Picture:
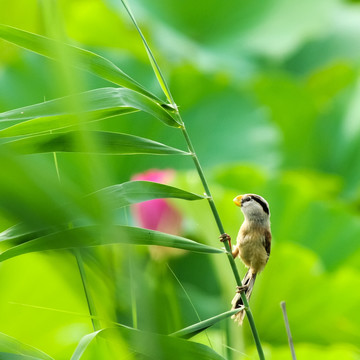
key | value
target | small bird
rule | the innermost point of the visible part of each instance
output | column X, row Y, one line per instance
column 253, row 244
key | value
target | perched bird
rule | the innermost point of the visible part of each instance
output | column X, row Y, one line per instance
column 253, row 244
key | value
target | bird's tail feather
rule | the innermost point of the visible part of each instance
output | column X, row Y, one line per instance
column 249, row 281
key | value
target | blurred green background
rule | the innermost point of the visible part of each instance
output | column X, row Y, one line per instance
column 269, row 91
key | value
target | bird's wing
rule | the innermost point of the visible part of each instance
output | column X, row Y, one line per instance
column 267, row 243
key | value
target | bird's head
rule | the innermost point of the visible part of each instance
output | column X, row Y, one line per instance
column 254, row 207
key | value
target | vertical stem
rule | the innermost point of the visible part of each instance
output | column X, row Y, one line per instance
column 80, row 265
column 227, row 246
column 288, row 332
column 228, row 351
column 132, row 296
column 89, row 300
column 167, row 93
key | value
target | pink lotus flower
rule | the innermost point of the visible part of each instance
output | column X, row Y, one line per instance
column 157, row 214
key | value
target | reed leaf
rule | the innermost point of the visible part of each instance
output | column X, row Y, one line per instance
column 132, row 192
column 13, row 349
column 161, row 80
column 80, row 58
column 151, row 345
column 105, row 143
column 89, row 236
column 197, row 328
column 91, row 105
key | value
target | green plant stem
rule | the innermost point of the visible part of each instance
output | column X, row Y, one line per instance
column 288, row 332
column 167, row 92
column 226, row 244
column 81, row 268
column 89, row 301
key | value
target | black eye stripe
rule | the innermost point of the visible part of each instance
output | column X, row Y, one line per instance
column 262, row 203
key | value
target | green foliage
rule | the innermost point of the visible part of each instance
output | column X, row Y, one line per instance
column 106, row 142
column 11, row 348
column 91, row 236
column 269, row 95
column 148, row 344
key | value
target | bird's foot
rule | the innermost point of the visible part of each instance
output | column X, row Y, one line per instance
column 240, row 289
column 225, row 237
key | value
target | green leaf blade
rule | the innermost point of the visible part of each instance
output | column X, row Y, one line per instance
column 163, row 347
column 159, row 76
column 106, row 143
column 83, row 59
column 133, row 192
column 13, row 349
column 194, row 329
column 89, row 236
column 90, row 106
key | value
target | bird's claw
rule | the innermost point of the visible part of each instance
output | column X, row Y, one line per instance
column 225, row 237
column 240, row 289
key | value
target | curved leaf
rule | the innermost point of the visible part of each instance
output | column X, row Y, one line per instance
column 133, row 192
column 88, row 236
column 10, row 356
column 83, row 59
column 11, row 348
column 194, row 329
column 92, row 105
column 154, row 64
column 162, row 347
column 105, row 143
column 18, row 234
column 49, row 123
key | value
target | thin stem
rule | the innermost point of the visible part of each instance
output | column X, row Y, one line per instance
column 89, row 301
column 288, row 332
column 80, row 265
column 227, row 246
column 132, row 296
column 190, row 301
column 168, row 94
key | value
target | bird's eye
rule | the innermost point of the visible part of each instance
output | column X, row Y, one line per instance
column 246, row 199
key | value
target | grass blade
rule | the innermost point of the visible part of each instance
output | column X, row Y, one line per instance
column 83, row 344
column 88, row 236
column 133, row 192
column 154, row 65
column 194, row 329
column 82, row 59
column 118, row 196
column 10, row 356
column 57, row 122
column 97, row 104
column 153, row 346
column 11, row 348
column 106, row 143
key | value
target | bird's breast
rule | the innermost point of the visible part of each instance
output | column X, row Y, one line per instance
column 251, row 249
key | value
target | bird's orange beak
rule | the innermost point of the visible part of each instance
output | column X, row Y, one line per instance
column 237, row 200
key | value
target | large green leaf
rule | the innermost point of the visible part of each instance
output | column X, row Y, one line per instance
column 80, row 58
column 119, row 195
column 91, row 105
column 105, row 143
column 194, row 329
column 88, row 236
column 132, row 192
column 11, row 349
column 153, row 346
